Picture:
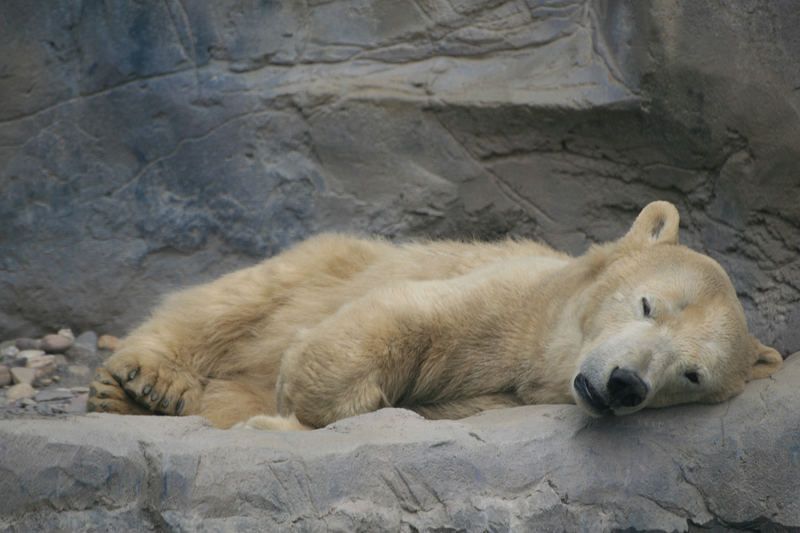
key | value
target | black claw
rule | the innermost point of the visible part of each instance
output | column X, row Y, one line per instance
column 104, row 405
column 106, row 382
column 146, row 390
column 154, row 397
column 98, row 377
column 179, row 406
column 92, row 391
column 102, row 394
column 91, row 408
column 165, row 403
column 132, row 375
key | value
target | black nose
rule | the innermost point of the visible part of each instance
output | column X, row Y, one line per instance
column 626, row 388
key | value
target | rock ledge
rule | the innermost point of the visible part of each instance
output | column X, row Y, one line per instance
column 539, row 468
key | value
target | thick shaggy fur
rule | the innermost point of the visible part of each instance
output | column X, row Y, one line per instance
column 338, row 326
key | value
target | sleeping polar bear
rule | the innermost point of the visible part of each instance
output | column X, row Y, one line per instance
column 338, row 326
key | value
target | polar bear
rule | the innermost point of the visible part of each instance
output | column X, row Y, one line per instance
column 338, row 326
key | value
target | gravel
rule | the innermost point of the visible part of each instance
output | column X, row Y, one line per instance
column 50, row 376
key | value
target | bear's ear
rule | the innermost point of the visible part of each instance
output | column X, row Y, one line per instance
column 768, row 360
column 656, row 224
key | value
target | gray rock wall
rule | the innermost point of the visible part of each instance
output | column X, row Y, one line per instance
column 732, row 466
column 145, row 146
column 148, row 145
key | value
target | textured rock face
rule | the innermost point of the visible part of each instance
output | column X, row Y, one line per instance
column 541, row 468
column 145, row 146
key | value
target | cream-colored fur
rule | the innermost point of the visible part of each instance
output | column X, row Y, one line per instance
column 338, row 326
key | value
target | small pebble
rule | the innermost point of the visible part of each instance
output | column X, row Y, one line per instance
column 5, row 376
column 9, row 352
column 28, row 354
column 108, row 342
column 56, row 378
column 20, row 390
column 66, row 332
column 55, row 343
column 22, row 375
column 80, row 390
column 44, row 382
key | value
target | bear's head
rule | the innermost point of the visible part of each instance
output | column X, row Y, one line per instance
column 662, row 325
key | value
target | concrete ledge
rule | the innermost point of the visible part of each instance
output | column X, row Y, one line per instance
column 539, row 468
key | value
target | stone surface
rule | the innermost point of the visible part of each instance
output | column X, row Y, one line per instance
column 540, row 468
column 146, row 146
column 5, row 376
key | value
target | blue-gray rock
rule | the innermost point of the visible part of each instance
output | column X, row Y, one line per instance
column 538, row 468
column 86, row 341
column 84, row 350
column 25, row 344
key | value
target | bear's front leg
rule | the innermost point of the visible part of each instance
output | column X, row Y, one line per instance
column 416, row 344
column 322, row 381
column 364, row 357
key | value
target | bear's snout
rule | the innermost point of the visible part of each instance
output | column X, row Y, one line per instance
column 626, row 388
column 594, row 402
